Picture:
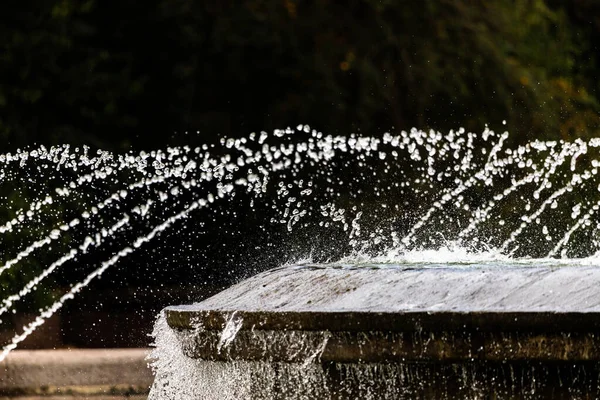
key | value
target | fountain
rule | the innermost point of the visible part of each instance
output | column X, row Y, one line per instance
column 479, row 230
column 388, row 332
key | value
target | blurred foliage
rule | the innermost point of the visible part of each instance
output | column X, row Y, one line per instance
column 138, row 74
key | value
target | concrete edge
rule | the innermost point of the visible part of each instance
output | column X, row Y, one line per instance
column 76, row 397
column 75, row 391
column 406, row 321
column 76, row 372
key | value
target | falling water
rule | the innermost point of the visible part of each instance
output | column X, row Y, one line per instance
column 408, row 197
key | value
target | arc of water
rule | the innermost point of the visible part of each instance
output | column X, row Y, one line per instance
column 413, row 142
column 113, row 260
column 106, row 170
column 527, row 219
column 482, row 175
column 580, row 222
column 30, row 328
column 481, row 215
column 7, row 302
column 489, row 168
column 36, row 205
column 550, row 169
column 58, row 155
column 569, row 149
column 22, row 216
column 70, row 255
column 56, row 233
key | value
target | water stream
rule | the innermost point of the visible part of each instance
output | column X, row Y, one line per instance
column 399, row 197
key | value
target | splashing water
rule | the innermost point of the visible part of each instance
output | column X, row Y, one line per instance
column 413, row 197
column 231, row 329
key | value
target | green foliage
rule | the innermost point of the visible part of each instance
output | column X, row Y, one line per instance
column 60, row 82
column 112, row 75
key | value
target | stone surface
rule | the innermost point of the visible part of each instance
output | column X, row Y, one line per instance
column 76, row 372
column 430, row 288
column 425, row 331
column 395, row 313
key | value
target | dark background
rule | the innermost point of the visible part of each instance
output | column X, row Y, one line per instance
column 122, row 75
column 141, row 75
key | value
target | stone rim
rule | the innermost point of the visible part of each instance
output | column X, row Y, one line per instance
column 410, row 321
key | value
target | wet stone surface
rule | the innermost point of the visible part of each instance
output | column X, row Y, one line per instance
column 427, row 332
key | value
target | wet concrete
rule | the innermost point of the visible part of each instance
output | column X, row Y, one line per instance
column 425, row 288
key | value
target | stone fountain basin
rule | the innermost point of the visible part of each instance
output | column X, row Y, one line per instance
column 400, row 313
